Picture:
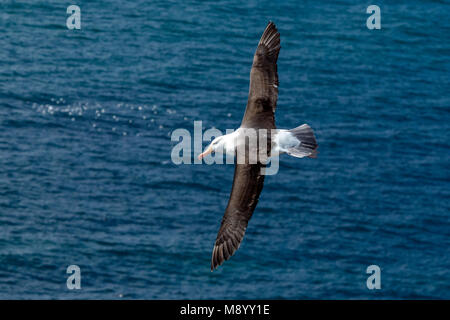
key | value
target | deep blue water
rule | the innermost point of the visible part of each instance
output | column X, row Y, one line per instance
column 86, row 176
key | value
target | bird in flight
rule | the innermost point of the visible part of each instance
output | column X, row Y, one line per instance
column 248, row 175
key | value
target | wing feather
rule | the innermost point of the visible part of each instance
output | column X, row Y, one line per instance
column 247, row 185
column 263, row 91
column 248, row 180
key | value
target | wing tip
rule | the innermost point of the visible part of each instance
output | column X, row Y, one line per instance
column 217, row 257
column 270, row 33
column 225, row 250
column 214, row 262
column 270, row 39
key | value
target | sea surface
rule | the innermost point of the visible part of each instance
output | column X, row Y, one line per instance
column 86, row 176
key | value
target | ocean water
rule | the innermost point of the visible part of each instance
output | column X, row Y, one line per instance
column 86, row 176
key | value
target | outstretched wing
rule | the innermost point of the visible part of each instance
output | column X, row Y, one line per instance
column 248, row 180
column 263, row 92
column 247, row 185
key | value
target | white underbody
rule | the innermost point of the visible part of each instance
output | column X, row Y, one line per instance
column 282, row 141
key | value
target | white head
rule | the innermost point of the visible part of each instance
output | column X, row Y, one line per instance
column 222, row 143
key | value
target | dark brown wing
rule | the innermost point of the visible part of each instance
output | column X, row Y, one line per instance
column 263, row 92
column 248, row 180
column 247, row 185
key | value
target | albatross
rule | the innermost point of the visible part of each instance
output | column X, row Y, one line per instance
column 248, row 176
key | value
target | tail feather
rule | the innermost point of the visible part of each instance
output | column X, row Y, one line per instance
column 307, row 146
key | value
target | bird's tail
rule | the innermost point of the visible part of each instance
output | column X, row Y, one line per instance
column 307, row 146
